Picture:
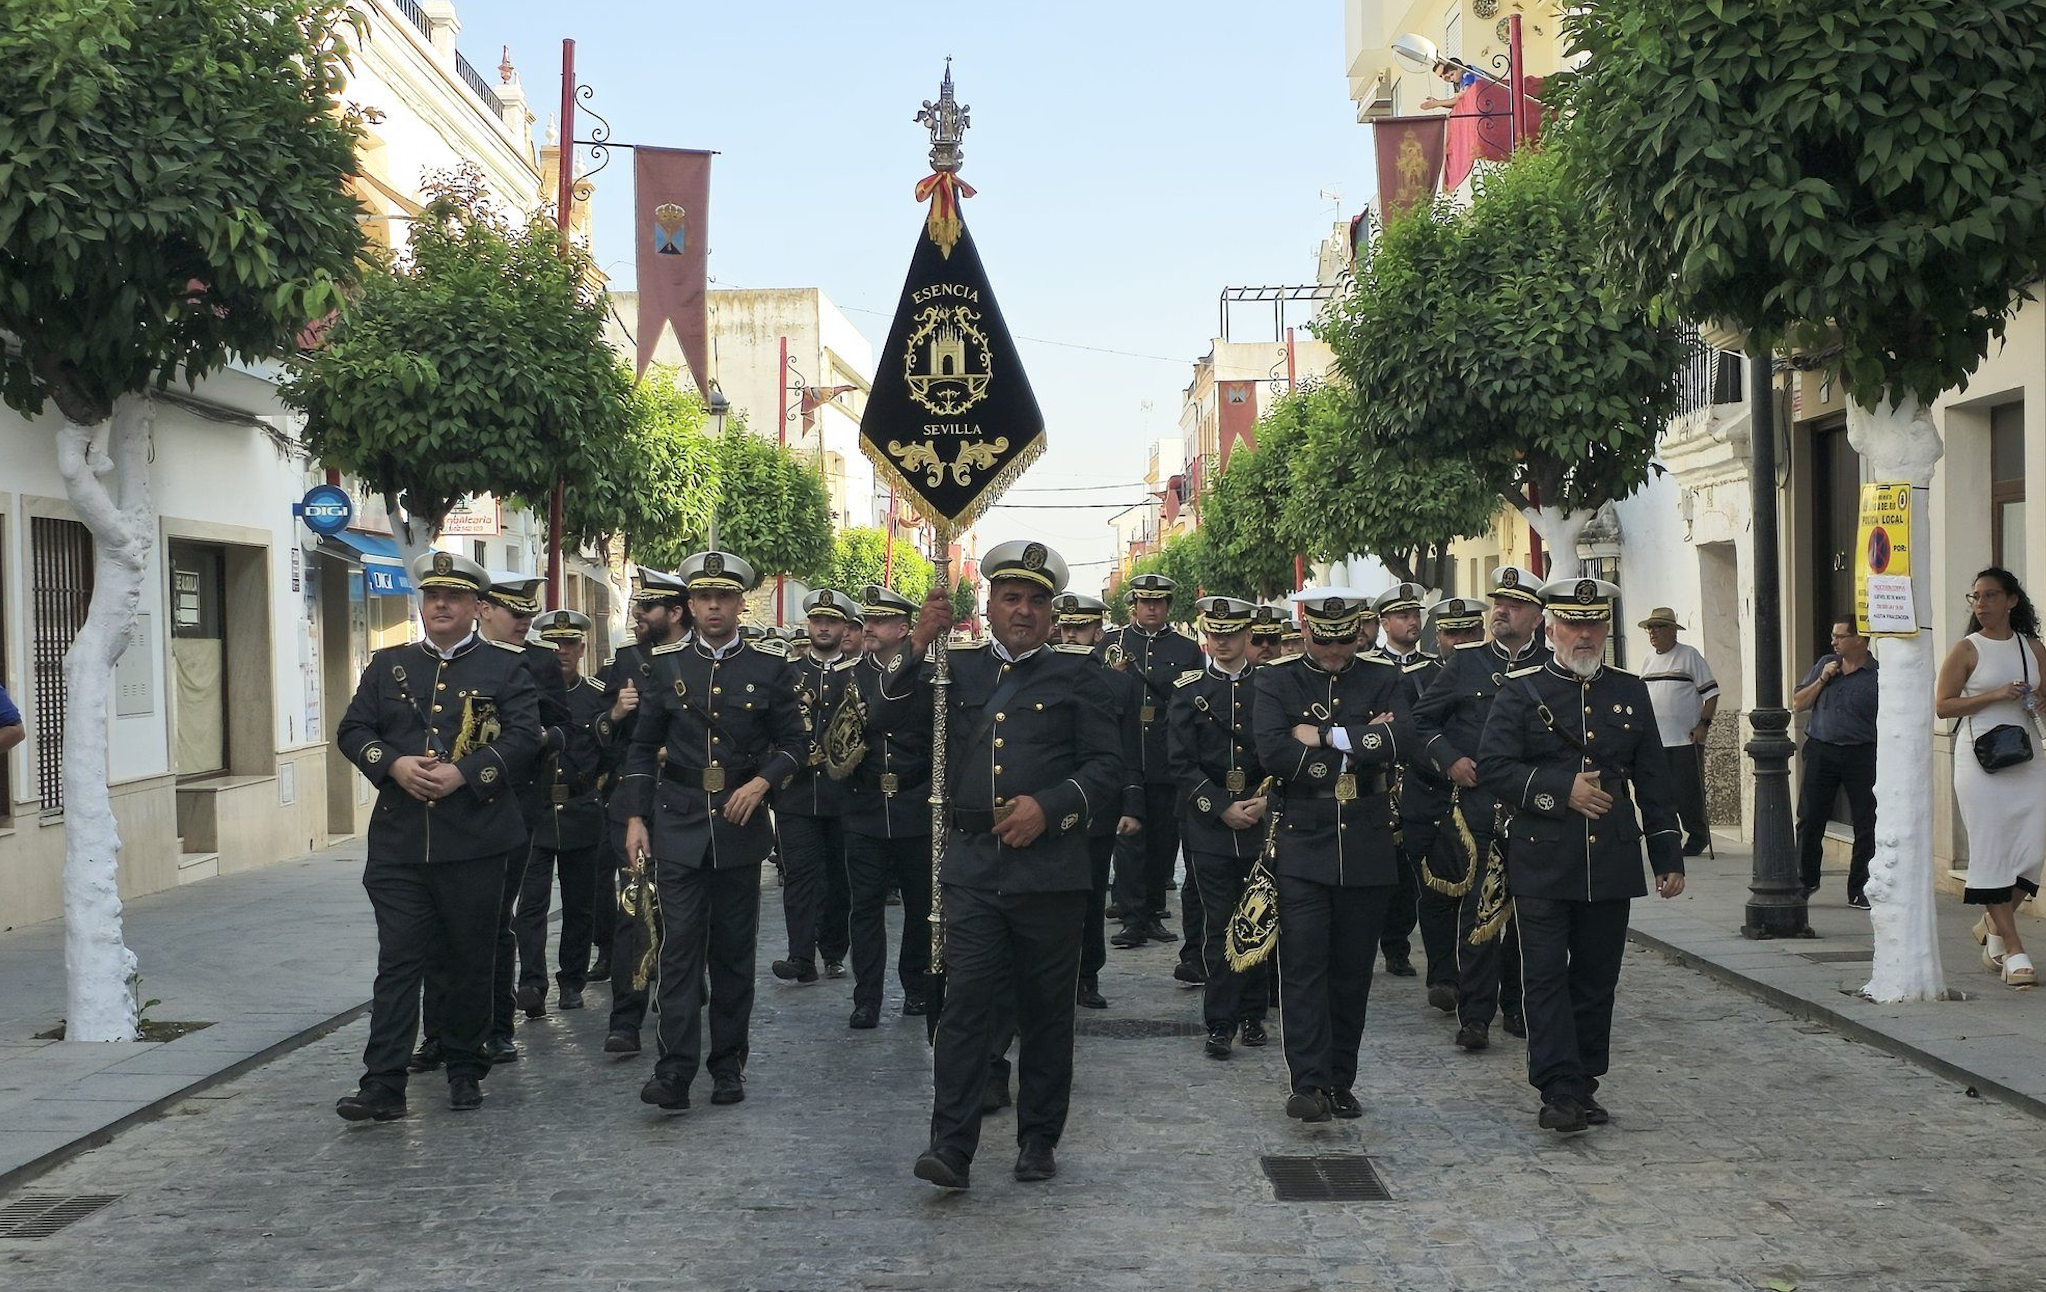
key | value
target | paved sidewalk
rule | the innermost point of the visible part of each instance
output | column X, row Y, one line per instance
column 1990, row 1037
column 272, row 958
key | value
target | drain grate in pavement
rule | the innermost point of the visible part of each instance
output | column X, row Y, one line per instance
column 38, row 1215
column 1135, row 1029
column 1839, row 957
column 1324, row 1179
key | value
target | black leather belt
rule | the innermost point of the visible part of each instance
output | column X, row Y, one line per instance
column 713, row 778
column 1365, row 783
column 979, row 820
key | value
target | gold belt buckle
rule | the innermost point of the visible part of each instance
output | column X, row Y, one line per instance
column 890, row 783
column 1002, row 812
column 1233, row 782
column 1346, row 787
column 1149, row 714
column 713, row 778
column 559, row 794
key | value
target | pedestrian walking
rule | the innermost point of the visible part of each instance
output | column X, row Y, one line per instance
column 1685, row 695
column 568, row 836
column 816, row 894
column 1400, row 618
column 1841, row 694
column 1150, row 650
column 1430, row 840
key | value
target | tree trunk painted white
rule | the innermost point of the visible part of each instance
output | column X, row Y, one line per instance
column 99, row 968
column 1560, row 531
column 1899, row 442
column 414, row 538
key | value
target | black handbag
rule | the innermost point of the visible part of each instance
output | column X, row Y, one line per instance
column 2006, row 744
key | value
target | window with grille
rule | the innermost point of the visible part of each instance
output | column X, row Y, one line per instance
column 60, row 590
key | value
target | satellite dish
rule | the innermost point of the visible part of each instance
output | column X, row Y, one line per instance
column 1415, row 53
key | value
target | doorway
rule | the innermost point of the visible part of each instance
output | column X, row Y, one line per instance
column 199, row 671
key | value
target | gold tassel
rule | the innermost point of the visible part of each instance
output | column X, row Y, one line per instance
column 1467, row 845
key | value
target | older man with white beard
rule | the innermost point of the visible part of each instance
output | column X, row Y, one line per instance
column 1572, row 746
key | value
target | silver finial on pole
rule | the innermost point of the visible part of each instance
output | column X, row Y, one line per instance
column 947, row 120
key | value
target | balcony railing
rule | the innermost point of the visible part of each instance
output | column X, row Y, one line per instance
column 477, row 83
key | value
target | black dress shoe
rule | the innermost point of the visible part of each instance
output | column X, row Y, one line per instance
column 864, row 1017
column 1515, row 1025
column 943, row 1168
column 1253, row 1033
column 499, row 1049
column 914, row 1007
column 1473, row 1037
column 426, row 1058
column 1188, row 972
column 1308, row 1106
column 1595, row 1113
column 1035, row 1162
column 1220, row 1042
column 1088, row 994
column 801, row 971
column 1442, row 996
column 533, row 1000
column 994, row 1096
column 1112, row 911
column 665, row 1093
column 728, row 1089
column 568, row 997
column 1130, row 935
column 1563, row 1115
column 377, row 1105
column 464, row 1095
column 834, row 968
column 1155, row 930
column 622, row 1042
column 1344, row 1105
column 599, row 972
column 1399, row 966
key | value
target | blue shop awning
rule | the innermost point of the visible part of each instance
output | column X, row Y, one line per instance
column 382, row 565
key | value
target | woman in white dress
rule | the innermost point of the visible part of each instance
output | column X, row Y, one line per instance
column 1991, row 677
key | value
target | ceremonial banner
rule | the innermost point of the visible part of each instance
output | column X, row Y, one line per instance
column 1409, row 161
column 1882, row 579
column 951, row 421
column 671, row 207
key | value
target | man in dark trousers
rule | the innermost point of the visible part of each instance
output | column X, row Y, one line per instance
column 1330, row 726
column 1223, row 824
column 1449, row 721
column 732, row 728
column 443, row 728
column 1033, row 757
column 660, row 617
column 1150, row 650
column 815, row 891
column 1839, row 754
column 887, row 800
column 1079, row 631
column 1400, row 618
column 565, row 838
column 1430, row 836
column 1572, row 746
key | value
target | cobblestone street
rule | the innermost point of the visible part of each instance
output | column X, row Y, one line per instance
column 1748, row 1151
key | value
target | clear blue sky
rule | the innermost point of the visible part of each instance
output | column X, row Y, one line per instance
column 1132, row 159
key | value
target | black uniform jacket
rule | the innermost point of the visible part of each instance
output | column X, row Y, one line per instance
column 1424, row 791
column 1450, row 718
column 631, row 664
column 1053, row 739
column 1155, row 661
column 575, row 810
column 1529, row 761
column 1214, row 756
column 721, row 721
column 1128, row 694
column 536, row 789
column 811, row 792
column 1338, row 821
column 888, row 796
column 478, row 710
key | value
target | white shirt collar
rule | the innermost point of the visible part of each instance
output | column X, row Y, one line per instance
column 1002, row 653
column 719, row 652
column 452, row 651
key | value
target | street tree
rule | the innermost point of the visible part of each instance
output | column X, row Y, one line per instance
column 652, row 485
column 1866, row 181
column 473, row 363
column 1245, row 513
column 1487, row 337
column 860, row 556
column 171, row 199
column 771, row 508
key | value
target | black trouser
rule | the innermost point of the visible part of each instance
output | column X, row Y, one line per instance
column 1094, row 924
column 1230, row 997
column 434, row 922
column 1328, row 939
column 1435, row 912
column 1570, row 956
column 1009, row 957
column 1488, row 972
column 628, row 946
column 604, row 895
column 1401, row 913
column 1688, row 772
column 1144, row 861
column 504, row 962
column 577, row 868
column 713, row 914
column 816, row 895
column 876, row 865
column 1829, row 769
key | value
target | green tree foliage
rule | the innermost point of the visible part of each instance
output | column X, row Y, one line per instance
column 171, row 190
column 772, row 509
column 859, row 556
column 476, row 364
column 1875, row 168
column 965, row 601
column 1246, row 513
column 656, row 483
column 1487, row 338
column 1184, row 558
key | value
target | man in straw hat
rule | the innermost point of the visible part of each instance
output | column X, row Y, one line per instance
column 1685, row 695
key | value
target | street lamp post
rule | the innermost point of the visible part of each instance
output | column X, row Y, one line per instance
column 1776, row 908
column 719, row 408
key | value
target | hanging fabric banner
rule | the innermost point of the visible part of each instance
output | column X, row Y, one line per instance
column 1409, row 161
column 671, row 210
